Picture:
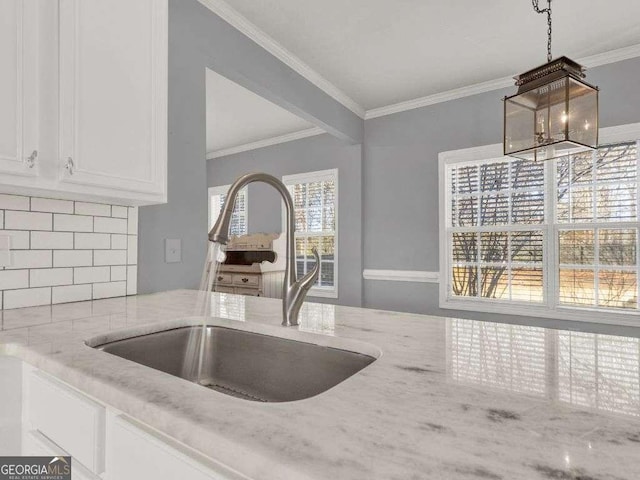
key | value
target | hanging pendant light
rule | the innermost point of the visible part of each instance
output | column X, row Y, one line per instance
column 554, row 112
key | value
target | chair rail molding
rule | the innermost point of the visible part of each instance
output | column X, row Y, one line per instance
column 418, row 276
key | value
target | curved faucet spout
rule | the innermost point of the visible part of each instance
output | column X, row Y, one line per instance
column 293, row 290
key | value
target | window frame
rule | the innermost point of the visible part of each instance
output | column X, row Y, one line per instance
column 310, row 177
column 223, row 190
column 550, row 307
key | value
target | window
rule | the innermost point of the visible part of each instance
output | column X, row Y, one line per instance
column 557, row 238
column 239, row 221
column 315, row 198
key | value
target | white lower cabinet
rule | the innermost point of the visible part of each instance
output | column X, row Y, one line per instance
column 35, row 444
column 58, row 420
column 68, row 418
column 136, row 453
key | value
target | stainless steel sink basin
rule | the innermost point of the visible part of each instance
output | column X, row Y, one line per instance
column 244, row 364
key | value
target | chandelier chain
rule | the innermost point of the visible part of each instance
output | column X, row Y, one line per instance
column 547, row 10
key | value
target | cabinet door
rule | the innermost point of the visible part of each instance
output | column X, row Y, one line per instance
column 134, row 454
column 35, row 444
column 113, row 94
column 18, row 87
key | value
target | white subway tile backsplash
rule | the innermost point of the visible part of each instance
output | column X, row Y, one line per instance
column 72, row 223
column 51, row 240
column 110, row 257
column 95, row 209
column 11, row 279
column 14, row 202
column 118, row 273
column 51, row 205
column 120, row 212
column 30, row 259
column 110, row 225
column 132, row 249
column 132, row 225
column 19, row 239
column 71, row 293
column 29, row 297
column 47, row 277
column 118, row 242
column 66, row 251
column 14, row 220
column 108, row 290
column 132, row 280
column 91, row 274
column 90, row 241
column 72, row 258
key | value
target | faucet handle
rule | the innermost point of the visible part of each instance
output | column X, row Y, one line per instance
column 311, row 276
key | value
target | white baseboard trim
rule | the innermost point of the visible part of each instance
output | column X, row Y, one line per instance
column 401, row 276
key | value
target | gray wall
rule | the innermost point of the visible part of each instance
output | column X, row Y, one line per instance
column 199, row 39
column 321, row 152
column 400, row 180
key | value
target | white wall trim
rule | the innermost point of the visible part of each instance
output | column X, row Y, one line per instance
column 267, row 142
column 239, row 22
column 605, row 58
column 439, row 97
column 401, row 276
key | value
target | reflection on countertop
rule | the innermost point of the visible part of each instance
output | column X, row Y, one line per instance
column 589, row 370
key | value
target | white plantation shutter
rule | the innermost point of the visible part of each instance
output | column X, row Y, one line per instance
column 497, row 246
column 597, row 214
column 315, row 197
column 556, row 235
column 217, row 199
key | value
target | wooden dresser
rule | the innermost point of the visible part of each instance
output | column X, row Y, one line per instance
column 249, row 259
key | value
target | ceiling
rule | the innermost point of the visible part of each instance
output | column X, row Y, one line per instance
column 381, row 52
column 237, row 116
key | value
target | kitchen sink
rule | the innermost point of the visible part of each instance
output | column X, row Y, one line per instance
column 240, row 363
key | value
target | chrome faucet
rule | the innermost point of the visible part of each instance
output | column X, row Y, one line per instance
column 293, row 290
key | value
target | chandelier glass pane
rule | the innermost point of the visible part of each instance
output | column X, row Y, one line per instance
column 554, row 113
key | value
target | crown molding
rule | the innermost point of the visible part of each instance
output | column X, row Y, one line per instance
column 591, row 61
column 612, row 56
column 242, row 24
column 401, row 276
column 239, row 22
column 439, row 97
column 289, row 137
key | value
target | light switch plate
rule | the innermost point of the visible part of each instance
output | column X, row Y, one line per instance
column 5, row 251
column 173, row 250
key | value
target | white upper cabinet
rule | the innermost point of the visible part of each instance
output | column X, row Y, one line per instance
column 18, row 88
column 113, row 96
column 83, row 99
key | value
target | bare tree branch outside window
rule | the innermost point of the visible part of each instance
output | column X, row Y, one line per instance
column 498, row 228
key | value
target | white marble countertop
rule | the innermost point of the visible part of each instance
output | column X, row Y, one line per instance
column 447, row 399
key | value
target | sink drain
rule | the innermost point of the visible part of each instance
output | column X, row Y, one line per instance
column 234, row 392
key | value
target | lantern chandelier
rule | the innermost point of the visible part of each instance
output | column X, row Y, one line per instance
column 554, row 112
